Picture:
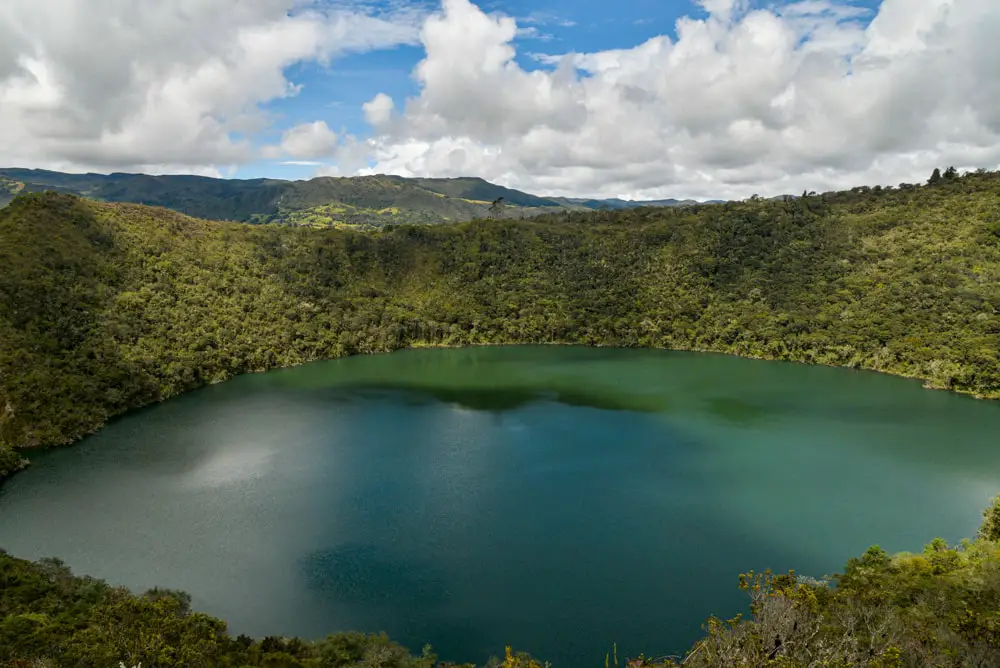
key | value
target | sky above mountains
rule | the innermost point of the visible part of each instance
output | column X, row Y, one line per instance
column 633, row 98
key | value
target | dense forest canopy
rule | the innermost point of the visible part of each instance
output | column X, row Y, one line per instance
column 105, row 307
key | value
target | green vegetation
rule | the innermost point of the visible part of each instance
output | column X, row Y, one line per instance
column 338, row 214
column 106, row 307
column 10, row 461
column 938, row 608
column 48, row 617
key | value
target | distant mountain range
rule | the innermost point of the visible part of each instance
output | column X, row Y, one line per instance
column 359, row 201
column 616, row 203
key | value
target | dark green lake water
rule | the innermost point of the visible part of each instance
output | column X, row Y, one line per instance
column 556, row 499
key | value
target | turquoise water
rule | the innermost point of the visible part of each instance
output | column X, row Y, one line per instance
column 556, row 499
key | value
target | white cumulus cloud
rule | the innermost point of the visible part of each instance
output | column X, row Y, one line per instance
column 798, row 96
column 304, row 142
column 162, row 85
column 378, row 110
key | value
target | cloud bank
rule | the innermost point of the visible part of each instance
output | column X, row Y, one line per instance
column 813, row 94
column 808, row 95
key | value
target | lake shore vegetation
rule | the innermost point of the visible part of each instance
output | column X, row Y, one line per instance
column 106, row 307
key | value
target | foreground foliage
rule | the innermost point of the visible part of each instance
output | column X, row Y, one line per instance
column 106, row 307
column 938, row 608
column 50, row 617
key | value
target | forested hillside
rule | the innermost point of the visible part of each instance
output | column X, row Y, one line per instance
column 361, row 202
column 104, row 307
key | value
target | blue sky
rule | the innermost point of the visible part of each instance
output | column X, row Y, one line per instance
column 335, row 93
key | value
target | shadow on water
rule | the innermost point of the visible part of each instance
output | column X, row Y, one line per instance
column 737, row 411
column 354, row 573
column 498, row 398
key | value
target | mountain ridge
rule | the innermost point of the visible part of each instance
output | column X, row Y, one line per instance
column 324, row 201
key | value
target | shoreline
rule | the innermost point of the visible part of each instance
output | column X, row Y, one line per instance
column 927, row 383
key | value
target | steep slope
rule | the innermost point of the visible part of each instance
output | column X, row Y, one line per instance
column 104, row 307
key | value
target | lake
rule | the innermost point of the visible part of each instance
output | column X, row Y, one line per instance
column 558, row 499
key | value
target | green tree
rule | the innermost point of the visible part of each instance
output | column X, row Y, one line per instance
column 497, row 207
column 990, row 528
